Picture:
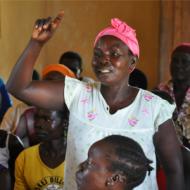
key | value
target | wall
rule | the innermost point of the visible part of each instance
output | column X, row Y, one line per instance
column 83, row 19
column 175, row 29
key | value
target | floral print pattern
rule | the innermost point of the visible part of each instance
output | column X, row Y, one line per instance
column 182, row 120
column 132, row 121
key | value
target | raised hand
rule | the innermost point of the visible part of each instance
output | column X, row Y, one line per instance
column 44, row 28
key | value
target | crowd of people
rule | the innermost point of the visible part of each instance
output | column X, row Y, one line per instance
column 72, row 132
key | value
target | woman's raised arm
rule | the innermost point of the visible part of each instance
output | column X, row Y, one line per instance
column 45, row 94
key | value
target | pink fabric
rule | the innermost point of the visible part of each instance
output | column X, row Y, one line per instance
column 122, row 31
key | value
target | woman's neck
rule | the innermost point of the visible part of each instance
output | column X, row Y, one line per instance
column 115, row 93
column 118, row 97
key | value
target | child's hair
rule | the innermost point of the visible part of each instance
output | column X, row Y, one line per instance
column 70, row 55
column 130, row 160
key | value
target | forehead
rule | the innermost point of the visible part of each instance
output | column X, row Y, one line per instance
column 101, row 150
column 111, row 42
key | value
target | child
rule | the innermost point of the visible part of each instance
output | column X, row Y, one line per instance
column 115, row 162
column 42, row 166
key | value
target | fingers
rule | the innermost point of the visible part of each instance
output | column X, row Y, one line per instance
column 43, row 24
column 56, row 22
column 47, row 26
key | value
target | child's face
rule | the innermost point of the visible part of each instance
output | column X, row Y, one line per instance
column 94, row 172
column 47, row 124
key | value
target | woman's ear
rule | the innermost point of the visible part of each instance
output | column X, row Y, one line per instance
column 116, row 179
column 132, row 63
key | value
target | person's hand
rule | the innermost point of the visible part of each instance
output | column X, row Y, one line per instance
column 44, row 28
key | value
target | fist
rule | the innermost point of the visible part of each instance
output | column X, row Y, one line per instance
column 45, row 27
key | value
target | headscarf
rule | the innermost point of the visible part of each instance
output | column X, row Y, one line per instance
column 58, row 68
column 122, row 31
column 183, row 47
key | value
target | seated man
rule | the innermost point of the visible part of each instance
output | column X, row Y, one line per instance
column 42, row 166
column 115, row 162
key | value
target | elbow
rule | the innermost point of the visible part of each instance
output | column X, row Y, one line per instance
column 10, row 88
column 13, row 89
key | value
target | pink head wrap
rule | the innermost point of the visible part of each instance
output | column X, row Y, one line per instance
column 122, row 31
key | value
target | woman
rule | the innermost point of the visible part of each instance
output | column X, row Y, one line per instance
column 101, row 109
column 179, row 89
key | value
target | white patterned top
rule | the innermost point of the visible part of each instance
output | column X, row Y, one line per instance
column 90, row 121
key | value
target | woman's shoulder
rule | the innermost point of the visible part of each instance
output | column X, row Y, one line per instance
column 73, row 83
column 149, row 96
column 155, row 99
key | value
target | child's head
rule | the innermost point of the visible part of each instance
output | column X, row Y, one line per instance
column 50, row 125
column 73, row 61
column 115, row 162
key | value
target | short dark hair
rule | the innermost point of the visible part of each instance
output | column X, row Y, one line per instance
column 138, row 78
column 70, row 55
column 130, row 159
column 35, row 75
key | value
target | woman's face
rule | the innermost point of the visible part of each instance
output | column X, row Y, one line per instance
column 111, row 60
column 93, row 172
column 180, row 67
